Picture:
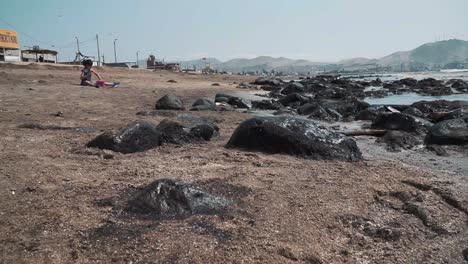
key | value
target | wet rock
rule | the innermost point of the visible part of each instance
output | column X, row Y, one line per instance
column 438, row 150
column 439, row 105
column 268, row 81
column 325, row 114
column 414, row 112
column 347, row 108
column 457, row 113
column 449, row 132
column 266, row 105
column 222, row 98
column 377, row 82
column 168, row 198
column 408, row 82
column 137, row 137
column 285, row 111
column 232, row 100
column 187, row 128
column 399, row 121
column 169, row 102
column 293, row 136
column 308, row 108
column 292, row 98
column 239, row 103
column 203, row 104
column 369, row 114
column 398, row 140
column 294, row 87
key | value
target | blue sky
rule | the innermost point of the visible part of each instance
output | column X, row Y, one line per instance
column 317, row 30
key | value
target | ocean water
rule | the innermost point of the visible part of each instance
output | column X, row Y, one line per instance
column 410, row 98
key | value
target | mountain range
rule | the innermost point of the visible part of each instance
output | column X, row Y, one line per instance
column 427, row 56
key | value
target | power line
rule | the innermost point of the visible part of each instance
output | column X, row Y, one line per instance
column 23, row 33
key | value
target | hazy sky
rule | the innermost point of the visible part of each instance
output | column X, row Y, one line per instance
column 317, row 30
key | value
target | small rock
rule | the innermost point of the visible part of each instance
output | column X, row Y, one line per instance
column 169, row 198
column 169, row 102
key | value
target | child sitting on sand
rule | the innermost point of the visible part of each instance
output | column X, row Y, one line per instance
column 86, row 76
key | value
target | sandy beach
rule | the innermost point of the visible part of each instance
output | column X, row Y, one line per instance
column 60, row 202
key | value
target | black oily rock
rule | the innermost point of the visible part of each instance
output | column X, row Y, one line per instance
column 169, row 102
column 266, row 105
column 285, row 111
column 294, row 97
column 294, row 87
column 137, row 137
column 325, row 114
column 308, row 108
column 369, row 114
column 457, row 113
column 293, row 136
column 449, row 132
column 267, row 81
column 203, row 104
column 399, row 121
column 239, row 103
column 439, row 105
column 398, row 140
column 170, row 198
column 347, row 108
column 232, row 100
column 187, row 128
column 414, row 112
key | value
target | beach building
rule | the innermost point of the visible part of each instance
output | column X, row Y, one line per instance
column 37, row 54
column 9, row 46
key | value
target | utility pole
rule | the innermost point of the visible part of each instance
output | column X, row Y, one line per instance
column 137, row 58
column 78, row 44
column 115, row 52
column 98, row 53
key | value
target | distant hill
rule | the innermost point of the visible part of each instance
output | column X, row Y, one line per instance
column 266, row 63
column 427, row 56
column 436, row 53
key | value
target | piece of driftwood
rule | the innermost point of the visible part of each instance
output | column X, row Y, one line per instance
column 365, row 132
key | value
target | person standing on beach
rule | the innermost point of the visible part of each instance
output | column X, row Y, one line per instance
column 86, row 75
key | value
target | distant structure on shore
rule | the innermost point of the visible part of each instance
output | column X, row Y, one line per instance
column 153, row 64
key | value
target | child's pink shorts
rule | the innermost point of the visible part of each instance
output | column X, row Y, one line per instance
column 100, row 82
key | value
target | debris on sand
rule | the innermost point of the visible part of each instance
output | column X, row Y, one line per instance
column 169, row 198
column 172, row 81
column 294, row 136
column 169, row 102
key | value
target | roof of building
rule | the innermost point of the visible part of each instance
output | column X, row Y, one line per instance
column 43, row 51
